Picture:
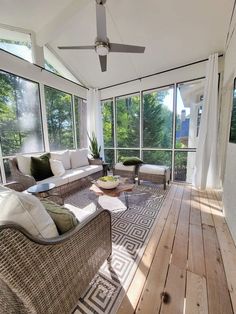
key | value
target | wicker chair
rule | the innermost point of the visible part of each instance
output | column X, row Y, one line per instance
column 49, row 276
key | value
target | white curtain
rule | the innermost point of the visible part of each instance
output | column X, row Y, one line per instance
column 94, row 116
column 206, row 172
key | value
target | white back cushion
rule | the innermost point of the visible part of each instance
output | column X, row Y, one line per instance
column 27, row 211
column 24, row 162
column 57, row 167
column 63, row 156
column 79, row 158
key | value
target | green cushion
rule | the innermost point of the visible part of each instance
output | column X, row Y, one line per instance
column 131, row 161
column 40, row 167
column 64, row 219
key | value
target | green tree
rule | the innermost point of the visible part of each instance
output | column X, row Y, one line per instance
column 59, row 118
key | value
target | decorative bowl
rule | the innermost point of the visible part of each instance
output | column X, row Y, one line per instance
column 108, row 182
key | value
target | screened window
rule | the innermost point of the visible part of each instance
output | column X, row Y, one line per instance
column 109, row 155
column 128, row 121
column 189, row 109
column 157, row 118
column 53, row 64
column 16, row 43
column 59, row 119
column 20, row 115
column 108, row 123
column 184, row 166
column 127, row 153
column 160, row 157
column 80, row 120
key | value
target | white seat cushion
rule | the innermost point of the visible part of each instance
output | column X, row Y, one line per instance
column 58, row 181
column 27, row 211
column 63, row 156
column 76, row 174
column 153, row 169
column 79, row 158
column 120, row 166
column 81, row 213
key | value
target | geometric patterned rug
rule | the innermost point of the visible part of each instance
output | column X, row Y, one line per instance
column 131, row 231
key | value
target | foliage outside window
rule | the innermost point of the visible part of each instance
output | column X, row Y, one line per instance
column 59, row 119
column 157, row 118
column 160, row 157
column 20, row 115
column 184, row 166
column 80, row 121
column 127, row 153
column 128, row 121
column 16, row 43
column 108, row 123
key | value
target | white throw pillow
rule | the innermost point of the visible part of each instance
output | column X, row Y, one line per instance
column 79, row 158
column 27, row 211
column 24, row 162
column 57, row 167
column 63, row 156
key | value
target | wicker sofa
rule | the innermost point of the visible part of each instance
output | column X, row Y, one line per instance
column 67, row 183
column 49, row 275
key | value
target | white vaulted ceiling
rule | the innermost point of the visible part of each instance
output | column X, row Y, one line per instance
column 174, row 32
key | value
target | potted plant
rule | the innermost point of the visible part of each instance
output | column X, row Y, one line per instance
column 94, row 148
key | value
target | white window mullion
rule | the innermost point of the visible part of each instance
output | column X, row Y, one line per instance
column 44, row 117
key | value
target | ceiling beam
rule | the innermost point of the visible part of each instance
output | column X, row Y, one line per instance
column 52, row 29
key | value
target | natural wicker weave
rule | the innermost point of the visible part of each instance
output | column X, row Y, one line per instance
column 26, row 181
column 49, row 276
column 155, row 178
column 126, row 174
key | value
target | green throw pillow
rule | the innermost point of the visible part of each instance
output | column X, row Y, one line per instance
column 132, row 161
column 64, row 219
column 40, row 167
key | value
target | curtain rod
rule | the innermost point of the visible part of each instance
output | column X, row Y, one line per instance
column 158, row 73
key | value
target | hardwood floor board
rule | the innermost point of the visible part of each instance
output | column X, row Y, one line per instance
column 150, row 300
column 205, row 208
column 180, row 248
column 196, row 294
column 175, row 288
column 227, row 247
column 196, row 260
column 195, row 213
column 131, row 299
column 218, row 294
column 191, row 257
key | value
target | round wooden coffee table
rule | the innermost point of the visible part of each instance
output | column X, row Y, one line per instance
column 123, row 187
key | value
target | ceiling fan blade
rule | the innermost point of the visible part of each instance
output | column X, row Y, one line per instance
column 76, row 47
column 103, row 63
column 126, row 48
column 101, row 23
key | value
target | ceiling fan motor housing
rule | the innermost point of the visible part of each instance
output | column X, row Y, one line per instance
column 102, row 48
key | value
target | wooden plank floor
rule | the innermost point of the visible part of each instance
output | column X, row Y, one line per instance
column 189, row 265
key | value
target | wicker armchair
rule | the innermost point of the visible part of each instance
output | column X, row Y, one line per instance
column 49, row 276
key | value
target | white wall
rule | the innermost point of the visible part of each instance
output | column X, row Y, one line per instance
column 30, row 71
column 229, row 171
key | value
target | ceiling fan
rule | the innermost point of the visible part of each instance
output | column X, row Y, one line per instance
column 102, row 44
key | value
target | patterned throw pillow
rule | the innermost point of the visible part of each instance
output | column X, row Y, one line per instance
column 63, row 218
column 40, row 167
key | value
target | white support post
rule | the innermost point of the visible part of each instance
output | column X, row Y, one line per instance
column 44, row 118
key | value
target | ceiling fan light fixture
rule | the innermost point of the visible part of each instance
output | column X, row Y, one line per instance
column 102, row 49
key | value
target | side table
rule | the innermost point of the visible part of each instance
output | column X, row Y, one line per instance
column 105, row 167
